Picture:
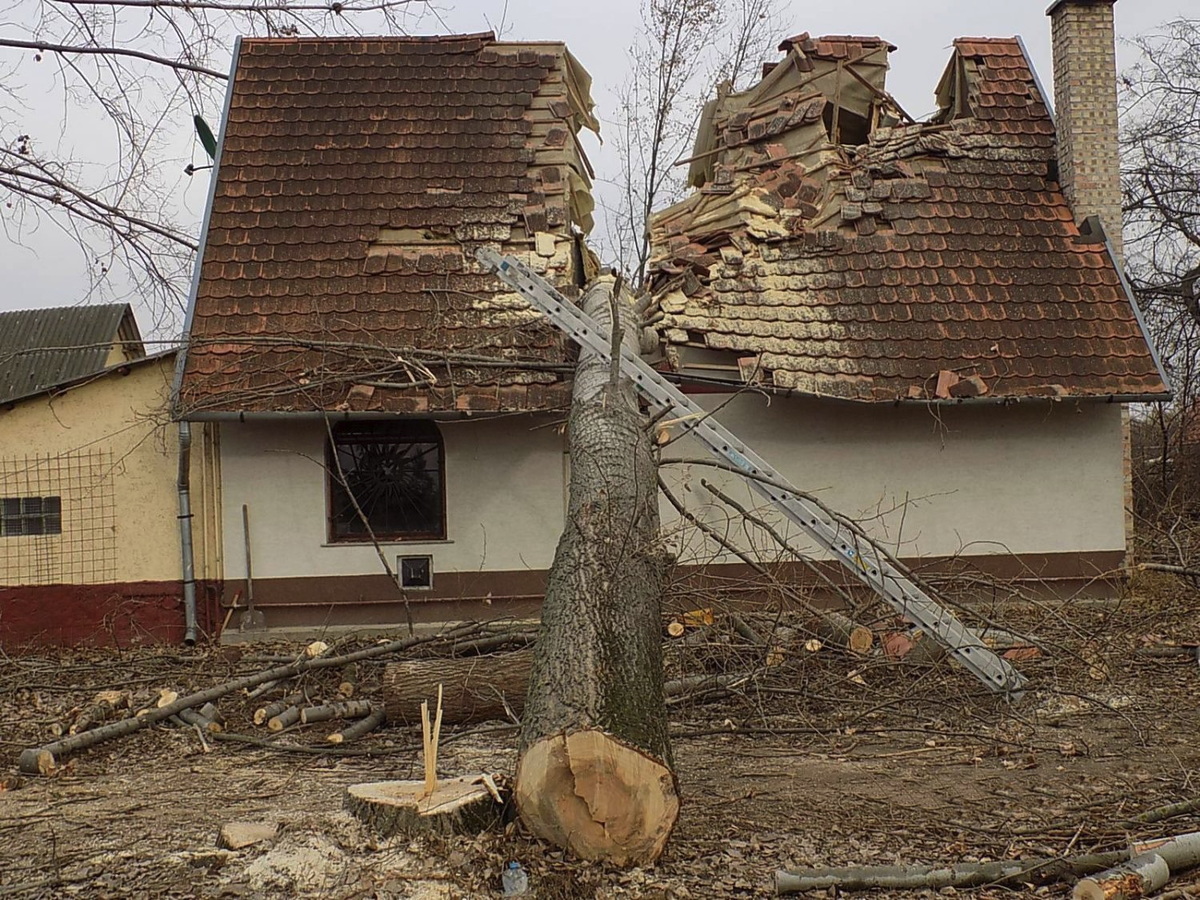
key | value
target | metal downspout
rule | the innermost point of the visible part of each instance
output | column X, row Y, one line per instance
column 185, row 532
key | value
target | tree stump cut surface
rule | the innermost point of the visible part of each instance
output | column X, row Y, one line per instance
column 597, row 797
column 458, row 806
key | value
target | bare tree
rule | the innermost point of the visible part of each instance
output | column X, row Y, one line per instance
column 1161, row 180
column 685, row 49
column 127, row 77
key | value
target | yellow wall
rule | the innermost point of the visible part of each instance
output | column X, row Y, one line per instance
column 109, row 450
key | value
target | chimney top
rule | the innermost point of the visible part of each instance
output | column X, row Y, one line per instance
column 1050, row 10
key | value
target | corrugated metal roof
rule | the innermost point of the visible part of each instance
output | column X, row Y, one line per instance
column 43, row 348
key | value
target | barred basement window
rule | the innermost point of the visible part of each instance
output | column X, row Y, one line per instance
column 20, row 516
column 395, row 470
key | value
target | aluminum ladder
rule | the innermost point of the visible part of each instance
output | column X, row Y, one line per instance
column 865, row 558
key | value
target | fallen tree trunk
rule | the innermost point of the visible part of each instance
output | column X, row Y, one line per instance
column 475, row 688
column 963, row 875
column 595, row 770
column 43, row 760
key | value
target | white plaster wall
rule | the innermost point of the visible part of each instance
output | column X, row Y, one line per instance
column 1031, row 478
column 504, row 500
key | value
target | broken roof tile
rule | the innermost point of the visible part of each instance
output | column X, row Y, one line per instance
column 941, row 247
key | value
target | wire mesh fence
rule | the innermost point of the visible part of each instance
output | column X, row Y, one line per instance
column 57, row 519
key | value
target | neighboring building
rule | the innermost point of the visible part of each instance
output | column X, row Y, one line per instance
column 339, row 298
column 925, row 318
column 89, row 527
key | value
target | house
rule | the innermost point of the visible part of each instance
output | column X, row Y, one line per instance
column 90, row 547
column 375, row 392
column 923, row 323
column 926, row 323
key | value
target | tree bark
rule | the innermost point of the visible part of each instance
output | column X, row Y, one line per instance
column 962, row 875
column 595, row 772
column 475, row 688
column 43, row 760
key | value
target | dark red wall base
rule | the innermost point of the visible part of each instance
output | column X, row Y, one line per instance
column 129, row 614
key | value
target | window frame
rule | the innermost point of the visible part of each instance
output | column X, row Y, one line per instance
column 396, row 431
column 23, row 515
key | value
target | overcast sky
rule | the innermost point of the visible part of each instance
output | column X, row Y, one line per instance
column 49, row 271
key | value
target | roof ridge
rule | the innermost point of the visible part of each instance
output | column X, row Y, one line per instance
column 373, row 38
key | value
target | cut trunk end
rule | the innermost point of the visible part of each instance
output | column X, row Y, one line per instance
column 457, row 806
column 597, row 798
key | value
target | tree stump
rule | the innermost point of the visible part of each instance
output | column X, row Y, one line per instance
column 457, row 806
column 594, row 775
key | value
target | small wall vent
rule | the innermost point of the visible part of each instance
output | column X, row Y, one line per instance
column 416, row 572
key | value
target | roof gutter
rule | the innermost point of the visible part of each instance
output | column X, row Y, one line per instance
column 177, row 381
column 310, row 415
column 991, row 400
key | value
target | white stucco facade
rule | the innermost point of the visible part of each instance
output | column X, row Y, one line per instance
column 504, row 499
column 973, row 480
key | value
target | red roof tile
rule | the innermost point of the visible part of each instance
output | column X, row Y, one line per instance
column 357, row 177
column 863, row 272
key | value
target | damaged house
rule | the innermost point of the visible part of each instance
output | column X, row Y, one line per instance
column 342, row 335
column 926, row 323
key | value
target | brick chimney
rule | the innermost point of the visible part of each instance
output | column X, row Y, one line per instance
column 1085, row 106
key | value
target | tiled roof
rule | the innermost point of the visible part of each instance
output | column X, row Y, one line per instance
column 356, row 180
column 934, row 260
column 42, row 349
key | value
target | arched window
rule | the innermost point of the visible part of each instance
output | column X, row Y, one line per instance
column 389, row 475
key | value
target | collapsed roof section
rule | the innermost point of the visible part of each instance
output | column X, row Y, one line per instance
column 356, row 179
column 836, row 248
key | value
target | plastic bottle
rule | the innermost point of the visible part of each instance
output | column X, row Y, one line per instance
column 515, row 880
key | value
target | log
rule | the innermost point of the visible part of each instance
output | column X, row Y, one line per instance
column 271, row 710
column 349, row 683
column 963, row 875
column 202, row 720
column 594, row 774
column 348, row 709
column 43, row 760
column 1140, row 877
column 842, row 631
column 285, row 719
column 1151, row 865
column 476, row 688
column 457, row 806
column 105, row 706
column 356, row 730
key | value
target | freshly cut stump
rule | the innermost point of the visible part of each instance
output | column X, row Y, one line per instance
column 597, row 797
column 457, row 806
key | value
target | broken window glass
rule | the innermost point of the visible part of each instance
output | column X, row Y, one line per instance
column 24, row 516
column 393, row 481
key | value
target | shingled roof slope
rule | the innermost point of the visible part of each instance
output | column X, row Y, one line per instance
column 931, row 254
column 355, row 181
column 42, row 349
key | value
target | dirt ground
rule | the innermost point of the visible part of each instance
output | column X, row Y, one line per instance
column 819, row 760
